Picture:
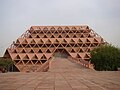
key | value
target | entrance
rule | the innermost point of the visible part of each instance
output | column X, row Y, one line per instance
column 61, row 53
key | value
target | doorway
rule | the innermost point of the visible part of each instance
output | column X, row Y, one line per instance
column 61, row 53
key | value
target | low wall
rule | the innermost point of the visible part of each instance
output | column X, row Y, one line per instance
column 81, row 62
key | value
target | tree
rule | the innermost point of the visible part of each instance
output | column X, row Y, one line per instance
column 5, row 64
column 106, row 57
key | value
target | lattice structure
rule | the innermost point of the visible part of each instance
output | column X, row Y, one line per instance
column 38, row 45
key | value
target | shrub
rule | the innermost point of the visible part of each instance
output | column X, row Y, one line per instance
column 5, row 64
column 106, row 57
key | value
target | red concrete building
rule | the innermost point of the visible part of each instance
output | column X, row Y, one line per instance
column 37, row 46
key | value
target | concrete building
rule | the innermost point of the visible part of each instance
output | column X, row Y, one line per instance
column 38, row 45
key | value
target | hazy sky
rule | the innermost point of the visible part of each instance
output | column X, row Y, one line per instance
column 16, row 16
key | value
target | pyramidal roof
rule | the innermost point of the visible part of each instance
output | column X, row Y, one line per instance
column 39, row 44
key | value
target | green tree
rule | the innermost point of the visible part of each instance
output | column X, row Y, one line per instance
column 106, row 57
column 5, row 64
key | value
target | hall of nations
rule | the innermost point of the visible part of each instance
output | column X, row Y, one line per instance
column 38, row 46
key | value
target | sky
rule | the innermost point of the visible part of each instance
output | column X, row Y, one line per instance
column 16, row 16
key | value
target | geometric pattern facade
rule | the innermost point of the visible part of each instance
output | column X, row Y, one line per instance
column 38, row 45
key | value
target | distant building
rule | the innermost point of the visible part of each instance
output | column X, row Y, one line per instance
column 40, row 43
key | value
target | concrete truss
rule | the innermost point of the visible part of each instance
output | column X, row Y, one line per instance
column 38, row 45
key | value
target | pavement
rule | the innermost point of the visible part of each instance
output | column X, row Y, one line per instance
column 62, row 75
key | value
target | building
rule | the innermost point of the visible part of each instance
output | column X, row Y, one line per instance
column 36, row 47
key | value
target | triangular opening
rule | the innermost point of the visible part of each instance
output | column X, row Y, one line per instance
column 74, row 36
column 48, row 45
column 30, row 36
column 64, row 41
column 24, row 42
column 59, row 36
column 56, row 45
column 87, row 41
column 43, row 45
column 24, row 45
column 40, row 51
column 52, row 45
column 43, row 61
column 37, row 31
column 56, row 41
column 23, row 51
column 32, row 45
column 70, row 32
column 29, row 63
column 27, row 46
column 34, row 57
column 90, row 36
column 40, row 45
column 80, row 44
column 38, row 62
column 68, row 45
column 86, row 56
column 78, row 56
column 52, row 36
column 72, row 41
column 52, row 28
column 26, row 57
column 34, row 32
column 88, row 44
column 45, row 28
column 31, row 51
column 95, row 40
column 59, row 31
column 16, row 61
column 33, row 41
column 79, row 41
column 82, row 36
column 76, row 45
column 60, row 45
column 48, row 32
column 84, row 45
column 34, row 61
column 67, row 28
column 63, row 32
column 25, row 61
column 59, row 28
column 72, row 45
column 73, row 28
column 17, row 41
column 48, row 51
column 92, row 45
column 20, row 62
column 88, row 50
column 48, row 41
column 45, row 36
column 37, row 36
column 67, row 36
column 20, row 46
column 40, row 41
column 35, row 49
column 17, row 57
column 64, row 45
column 15, row 51
column 35, row 46
column 81, row 50
column 96, row 44
column 72, row 51
column 43, row 57
column 56, row 32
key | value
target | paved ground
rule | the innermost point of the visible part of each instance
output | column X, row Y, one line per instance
column 63, row 75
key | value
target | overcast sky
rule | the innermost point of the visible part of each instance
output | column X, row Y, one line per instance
column 16, row 16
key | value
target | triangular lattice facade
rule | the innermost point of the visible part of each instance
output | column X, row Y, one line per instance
column 38, row 45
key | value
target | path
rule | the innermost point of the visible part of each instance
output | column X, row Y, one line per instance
column 63, row 75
